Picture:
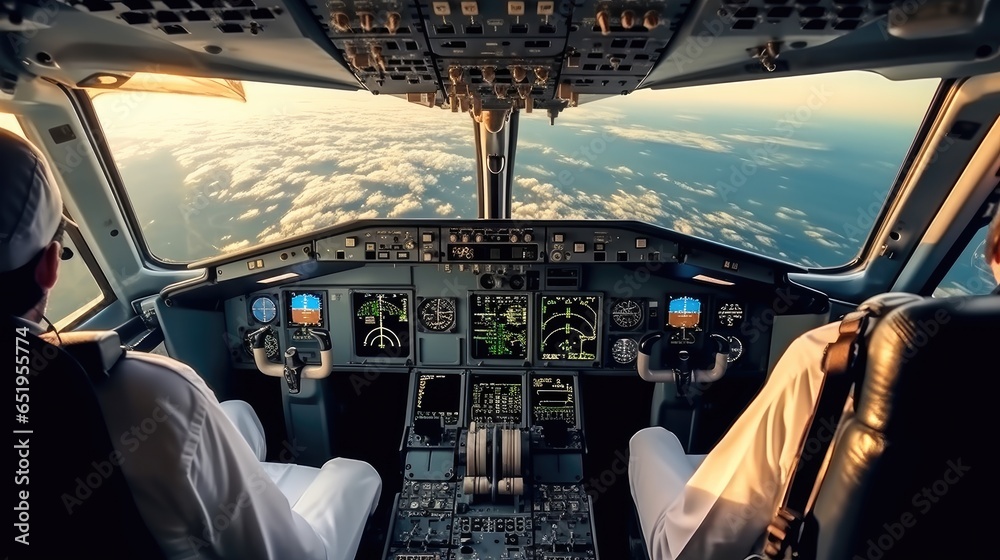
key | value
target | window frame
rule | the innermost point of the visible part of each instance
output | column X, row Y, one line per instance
column 98, row 304
column 84, row 107
column 947, row 263
column 91, row 308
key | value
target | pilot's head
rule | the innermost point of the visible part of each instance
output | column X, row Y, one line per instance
column 993, row 245
column 31, row 227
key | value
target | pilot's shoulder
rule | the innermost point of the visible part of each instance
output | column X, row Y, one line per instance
column 161, row 373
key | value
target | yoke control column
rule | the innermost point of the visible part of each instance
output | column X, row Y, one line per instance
column 683, row 375
column 294, row 367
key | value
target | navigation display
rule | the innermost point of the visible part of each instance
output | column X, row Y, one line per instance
column 438, row 396
column 305, row 309
column 684, row 317
column 570, row 327
column 381, row 324
column 553, row 397
column 497, row 399
column 499, row 326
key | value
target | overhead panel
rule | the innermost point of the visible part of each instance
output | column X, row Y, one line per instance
column 614, row 45
column 495, row 54
column 760, row 34
column 833, row 17
column 196, row 20
column 384, row 45
column 470, row 56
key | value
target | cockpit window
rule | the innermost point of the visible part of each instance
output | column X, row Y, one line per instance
column 793, row 168
column 206, row 176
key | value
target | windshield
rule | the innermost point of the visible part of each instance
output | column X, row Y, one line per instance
column 793, row 168
column 207, row 176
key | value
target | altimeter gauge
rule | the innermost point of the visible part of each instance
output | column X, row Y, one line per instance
column 437, row 314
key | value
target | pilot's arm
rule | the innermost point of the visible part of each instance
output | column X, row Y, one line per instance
column 719, row 508
column 196, row 482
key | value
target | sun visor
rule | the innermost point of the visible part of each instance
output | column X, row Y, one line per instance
column 164, row 83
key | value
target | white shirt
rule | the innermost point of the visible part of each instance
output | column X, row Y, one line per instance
column 201, row 489
column 718, row 509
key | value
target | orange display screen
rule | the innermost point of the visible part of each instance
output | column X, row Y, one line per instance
column 305, row 309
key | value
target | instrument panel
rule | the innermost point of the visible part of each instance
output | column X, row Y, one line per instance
column 580, row 330
column 470, row 296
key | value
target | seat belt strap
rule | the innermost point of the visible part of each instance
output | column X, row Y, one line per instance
column 839, row 360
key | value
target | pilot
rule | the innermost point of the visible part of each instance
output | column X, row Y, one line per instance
column 719, row 505
column 195, row 468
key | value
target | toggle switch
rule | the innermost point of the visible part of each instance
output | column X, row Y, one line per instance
column 650, row 20
column 340, row 22
column 489, row 74
column 603, row 21
column 367, row 21
column 392, row 22
column 628, row 19
column 470, row 8
column 441, row 8
column 541, row 75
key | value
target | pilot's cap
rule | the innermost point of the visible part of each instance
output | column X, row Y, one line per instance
column 32, row 206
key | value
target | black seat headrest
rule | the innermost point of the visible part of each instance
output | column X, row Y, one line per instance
column 912, row 467
column 96, row 351
column 919, row 354
column 880, row 305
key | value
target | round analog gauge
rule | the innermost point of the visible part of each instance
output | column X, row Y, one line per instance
column 264, row 309
column 626, row 313
column 730, row 315
column 735, row 347
column 437, row 314
column 271, row 347
column 625, row 350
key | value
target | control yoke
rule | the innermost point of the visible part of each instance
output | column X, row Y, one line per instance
column 294, row 368
column 682, row 375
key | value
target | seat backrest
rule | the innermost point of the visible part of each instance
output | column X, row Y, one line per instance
column 77, row 500
column 910, row 462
